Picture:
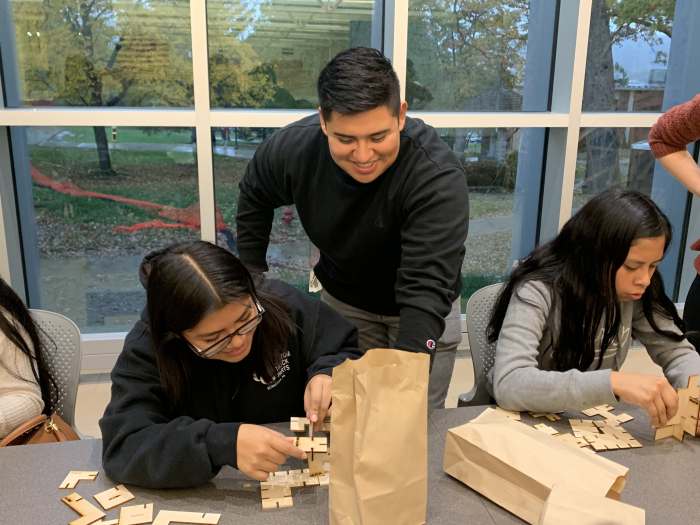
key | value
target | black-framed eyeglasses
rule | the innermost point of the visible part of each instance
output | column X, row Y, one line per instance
column 223, row 343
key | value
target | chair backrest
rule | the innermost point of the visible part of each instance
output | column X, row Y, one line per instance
column 483, row 353
column 64, row 354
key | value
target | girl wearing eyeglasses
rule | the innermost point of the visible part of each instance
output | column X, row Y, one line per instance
column 214, row 356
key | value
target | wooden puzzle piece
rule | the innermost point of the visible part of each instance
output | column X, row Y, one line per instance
column 90, row 513
column 686, row 419
column 623, row 418
column 626, row 437
column 583, row 428
column 114, row 497
column 574, row 441
column 546, row 429
column 326, row 478
column 75, row 476
column 316, row 461
column 605, row 411
column 608, row 426
column 136, row 515
column 283, row 477
column 512, row 414
column 663, row 432
column 549, row 415
column 669, row 431
column 166, row 517
column 275, row 495
column 690, row 425
column 299, row 424
column 110, row 522
column 313, row 445
column 600, row 410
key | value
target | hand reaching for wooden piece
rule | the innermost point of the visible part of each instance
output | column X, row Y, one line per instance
column 653, row 393
column 261, row 450
column 317, row 399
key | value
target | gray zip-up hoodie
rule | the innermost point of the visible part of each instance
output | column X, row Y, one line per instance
column 522, row 377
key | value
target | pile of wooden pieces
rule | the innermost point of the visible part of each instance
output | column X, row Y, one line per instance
column 276, row 492
column 601, row 435
column 135, row 515
column 686, row 419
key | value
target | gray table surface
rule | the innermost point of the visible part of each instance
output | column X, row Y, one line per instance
column 663, row 480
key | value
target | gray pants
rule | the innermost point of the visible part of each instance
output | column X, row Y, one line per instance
column 379, row 331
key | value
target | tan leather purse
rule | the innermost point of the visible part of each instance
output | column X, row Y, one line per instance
column 41, row 429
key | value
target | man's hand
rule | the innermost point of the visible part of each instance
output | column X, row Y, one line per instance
column 317, row 399
column 653, row 393
column 261, row 451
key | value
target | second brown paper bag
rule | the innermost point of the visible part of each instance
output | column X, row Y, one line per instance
column 380, row 439
column 515, row 465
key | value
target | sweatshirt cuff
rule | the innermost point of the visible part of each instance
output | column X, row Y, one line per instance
column 661, row 149
column 221, row 441
column 600, row 388
column 418, row 331
column 253, row 258
column 326, row 371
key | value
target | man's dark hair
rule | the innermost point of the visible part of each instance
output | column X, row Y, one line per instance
column 358, row 80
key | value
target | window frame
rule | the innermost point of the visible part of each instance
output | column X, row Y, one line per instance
column 564, row 119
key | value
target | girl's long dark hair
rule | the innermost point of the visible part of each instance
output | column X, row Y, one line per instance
column 187, row 282
column 579, row 267
column 15, row 318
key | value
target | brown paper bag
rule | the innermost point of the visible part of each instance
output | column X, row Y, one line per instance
column 515, row 465
column 379, row 445
column 574, row 506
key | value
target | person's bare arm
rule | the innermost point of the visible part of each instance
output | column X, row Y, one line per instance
column 682, row 166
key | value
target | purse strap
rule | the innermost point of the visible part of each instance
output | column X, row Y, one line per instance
column 29, row 426
column 46, row 423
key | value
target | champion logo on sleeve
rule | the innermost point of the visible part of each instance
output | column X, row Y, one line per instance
column 430, row 344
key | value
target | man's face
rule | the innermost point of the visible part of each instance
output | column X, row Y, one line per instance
column 366, row 144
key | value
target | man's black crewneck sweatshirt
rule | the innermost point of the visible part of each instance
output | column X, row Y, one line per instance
column 393, row 246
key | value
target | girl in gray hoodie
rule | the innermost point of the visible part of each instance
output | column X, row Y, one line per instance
column 565, row 319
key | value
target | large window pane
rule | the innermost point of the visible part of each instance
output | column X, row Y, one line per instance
column 99, row 53
column 290, row 255
column 92, row 228
column 628, row 50
column 268, row 54
column 471, row 55
column 494, row 159
column 612, row 158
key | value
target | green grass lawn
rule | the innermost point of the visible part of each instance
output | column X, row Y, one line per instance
column 126, row 134
column 486, row 205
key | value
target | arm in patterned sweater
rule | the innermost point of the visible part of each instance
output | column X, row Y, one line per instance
column 669, row 137
column 20, row 395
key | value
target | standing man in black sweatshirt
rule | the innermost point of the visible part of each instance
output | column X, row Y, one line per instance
column 383, row 198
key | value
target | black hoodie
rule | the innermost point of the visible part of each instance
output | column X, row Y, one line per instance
column 144, row 445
